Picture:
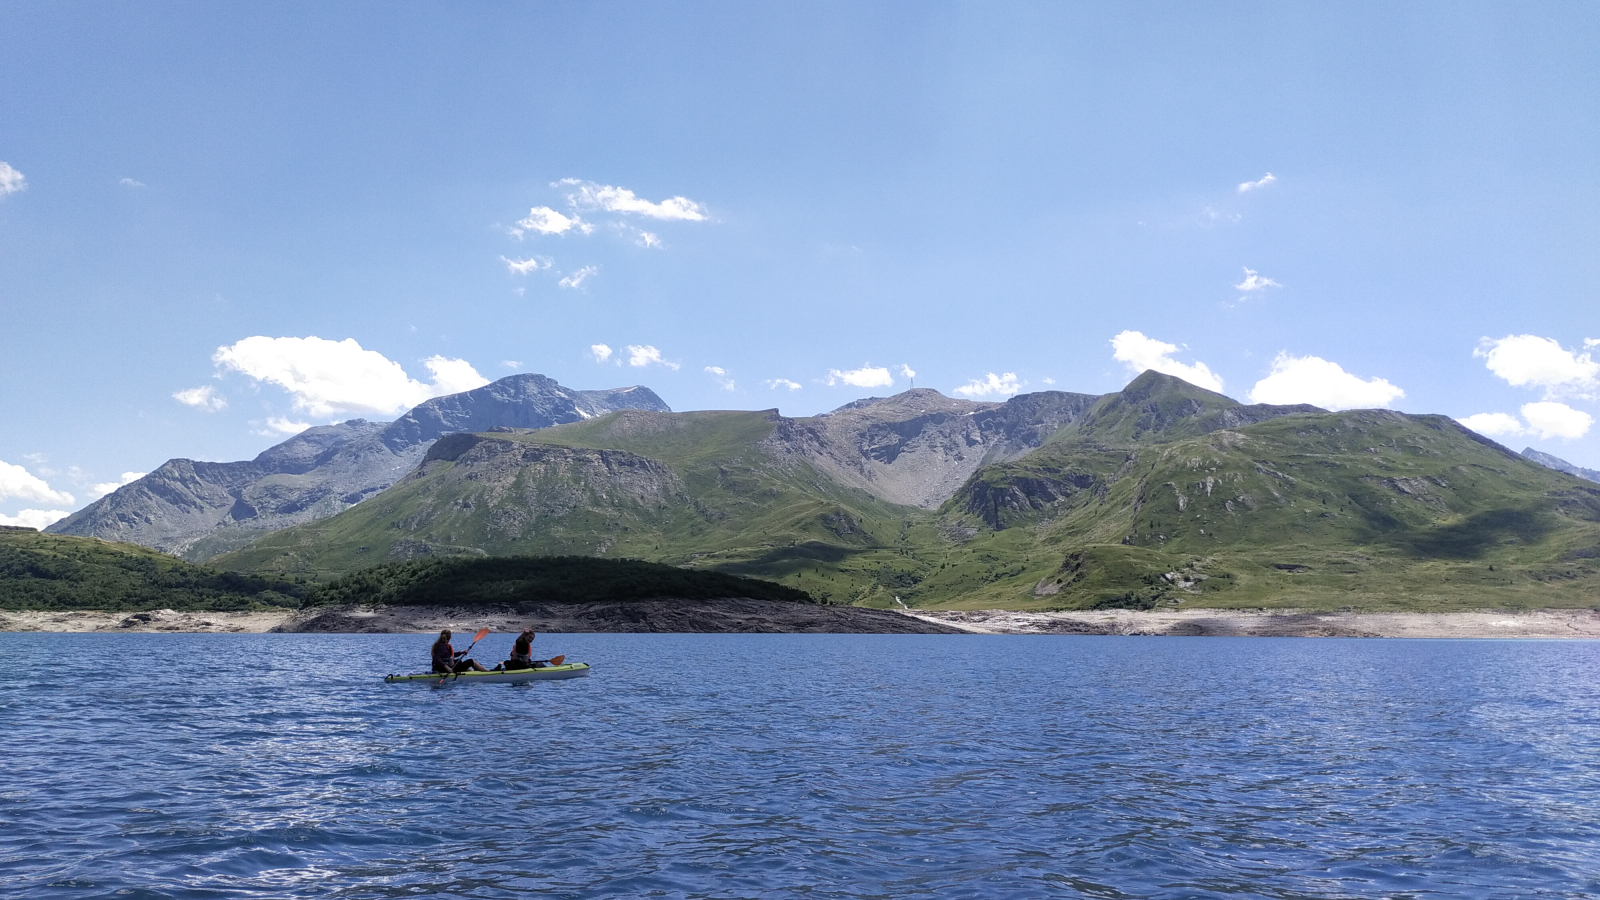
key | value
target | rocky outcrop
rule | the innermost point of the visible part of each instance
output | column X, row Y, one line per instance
column 200, row 509
column 918, row 447
column 1561, row 465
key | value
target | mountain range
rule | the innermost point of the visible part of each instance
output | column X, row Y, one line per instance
column 1160, row 494
column 199, row 509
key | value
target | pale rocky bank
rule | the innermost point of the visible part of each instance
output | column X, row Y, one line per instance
column 757, row 616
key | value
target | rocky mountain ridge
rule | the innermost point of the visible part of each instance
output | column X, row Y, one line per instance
column 199, row 509
column 1561, row 465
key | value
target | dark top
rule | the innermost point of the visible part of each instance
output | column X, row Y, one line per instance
column 444, row 656
column 522, row 649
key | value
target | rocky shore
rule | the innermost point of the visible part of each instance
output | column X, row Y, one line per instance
column 1540, row 623
column 768, row 617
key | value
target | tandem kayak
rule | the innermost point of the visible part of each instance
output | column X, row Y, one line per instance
column 518, row 676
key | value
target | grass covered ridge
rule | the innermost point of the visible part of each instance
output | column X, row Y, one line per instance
column 462, row 581
column 62, row 572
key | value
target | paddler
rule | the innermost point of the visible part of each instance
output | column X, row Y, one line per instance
column 444, row 657
column 522, row 653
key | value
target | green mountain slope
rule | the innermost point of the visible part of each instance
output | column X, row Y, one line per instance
column 1369, row 509
column 682, row 488
column 1163, row 494
column 53, row 571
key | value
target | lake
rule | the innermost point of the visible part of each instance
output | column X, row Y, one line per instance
column 818, row 766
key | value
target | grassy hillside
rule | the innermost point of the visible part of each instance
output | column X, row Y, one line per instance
column 691, row 489
column 51, row 571
column 462, row 581
column 1366, row 509
column 1162, row 495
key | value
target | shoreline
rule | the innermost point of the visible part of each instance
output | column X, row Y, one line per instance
column 768, row 617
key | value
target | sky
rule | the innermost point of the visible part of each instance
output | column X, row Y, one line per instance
column 222, row 223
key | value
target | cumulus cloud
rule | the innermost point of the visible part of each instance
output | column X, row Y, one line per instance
column 645, row 355
column 106, row 487
column 1248, row 186
column 11, row 181
column 600, row 352
column 544, row 220
column 1527, row 360
column 775, row 383
column 524, row 266
column 34, row 518
column 327, row 378
column 512, row 364
column 1549, row 419
column 1141, row 353
column 281, row 425
column 1494, row 424
column 1003, row 385
column 589, row 195
column 204, row 398
column 131, row 182
column 720, row 376
column 868, row 376
column 576, row 279
column 1311, row 379
column 17, row 483
column 907, row 372
column 1253, row 281
column 1544, row 419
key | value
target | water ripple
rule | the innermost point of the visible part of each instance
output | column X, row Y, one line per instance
column 211, row 766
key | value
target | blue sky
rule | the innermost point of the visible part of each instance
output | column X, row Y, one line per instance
column 1335, row 203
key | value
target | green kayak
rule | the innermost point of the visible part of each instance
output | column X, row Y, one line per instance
column 516, row 676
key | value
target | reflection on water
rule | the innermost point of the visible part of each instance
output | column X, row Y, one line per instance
column 824, row 766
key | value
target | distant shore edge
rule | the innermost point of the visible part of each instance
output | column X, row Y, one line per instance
column 743, row 616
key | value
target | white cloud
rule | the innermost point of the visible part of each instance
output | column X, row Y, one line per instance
column 131, row 182
column 644, row 355
column 1254, row 282
column 17, row 483
column 600, row 352
column 907, row 372
column 11, row 181
column 327, row 378
column 868, row 376
column 512, row 364
column 621, row 200
column 646, row 239
column 1263, row 181
column 775, row 383
column 991, row 384
column 524, row 266
column 576, row 279
column 1494, row 424
column 720, row 376
column 544, row 220
column 1311, row 379
column 1048, row 380
column 33, row 518
column 106, row 487
column 1141, row 353
column 204, row 398
column 1527, row 360
column 1548, row 419
column 281, row 425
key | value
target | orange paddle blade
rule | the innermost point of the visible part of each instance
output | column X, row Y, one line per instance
column 556, row 661
column 482, row 633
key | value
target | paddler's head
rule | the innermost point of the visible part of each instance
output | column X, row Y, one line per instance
column 444, row 635
column 527, row 633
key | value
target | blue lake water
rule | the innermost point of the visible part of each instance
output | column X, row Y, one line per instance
column 821, row 766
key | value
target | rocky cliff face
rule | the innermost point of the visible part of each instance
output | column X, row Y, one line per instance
column 918, row 447
column 200, row 509
column 1561, row 465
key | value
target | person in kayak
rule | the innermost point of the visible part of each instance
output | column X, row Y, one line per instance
column 522, row 653
column 444, row 657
